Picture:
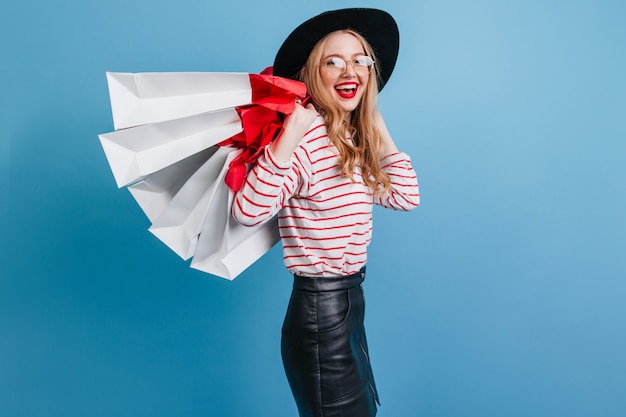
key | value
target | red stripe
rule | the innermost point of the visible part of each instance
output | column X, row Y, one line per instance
column 408, row 201
column 309, row 264
column 364, row 233
column 335, row 248
column 248, row 215
column 263, row 206
column 321, row 148
column 325, row 169
column 263, row 168
column 325, row 158
column 270, row 157
column 332, row 177
column 315, row 128
column 325, row 258
column 324, row 239
column 301, row 168
column 256, row 191
column 334, row 187
column 393, row 196
column 316, row 138
column 317, row 220
column 401, row 176
column 327, row 228
column 327, row 209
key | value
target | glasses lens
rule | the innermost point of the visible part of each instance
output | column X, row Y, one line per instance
column 335, row 64
column 363, row 65
column 363, row 61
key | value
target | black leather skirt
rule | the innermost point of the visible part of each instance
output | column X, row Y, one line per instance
column 324, row 348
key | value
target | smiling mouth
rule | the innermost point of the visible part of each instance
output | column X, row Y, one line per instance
column 347, row 90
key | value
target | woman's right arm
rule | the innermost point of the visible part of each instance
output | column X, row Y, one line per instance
column 277, row 174
column 294, row 129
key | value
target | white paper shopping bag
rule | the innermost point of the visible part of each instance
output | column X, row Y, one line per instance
column 180, row 223
column 226, row 248
column 140, row 151
column 155, row 192
column 239, row 248
column 151, row 97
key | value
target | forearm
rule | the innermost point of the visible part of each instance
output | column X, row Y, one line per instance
column 403, row 193
column 388, row 145
column 286, row 143
column 295, row 127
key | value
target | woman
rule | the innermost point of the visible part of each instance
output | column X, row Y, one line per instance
column 332, row 161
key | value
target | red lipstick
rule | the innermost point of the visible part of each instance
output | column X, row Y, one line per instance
column 347, row 90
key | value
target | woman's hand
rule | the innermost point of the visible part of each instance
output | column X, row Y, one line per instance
column 295, row 127
column 389, row 146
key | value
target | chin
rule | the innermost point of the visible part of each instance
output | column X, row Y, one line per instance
column 348, row 107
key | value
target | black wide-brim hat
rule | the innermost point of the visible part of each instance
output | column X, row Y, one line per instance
column 376, row 26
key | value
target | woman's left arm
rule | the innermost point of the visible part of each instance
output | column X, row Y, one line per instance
column 404, row 191
column 389, row 146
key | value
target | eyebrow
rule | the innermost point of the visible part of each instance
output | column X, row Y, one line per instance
column 343, row 57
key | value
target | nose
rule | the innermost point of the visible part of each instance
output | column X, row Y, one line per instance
column 349, row 69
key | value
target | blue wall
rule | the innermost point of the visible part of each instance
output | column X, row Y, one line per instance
column 503, row 295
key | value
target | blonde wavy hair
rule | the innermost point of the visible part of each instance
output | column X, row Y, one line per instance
column 366, row 148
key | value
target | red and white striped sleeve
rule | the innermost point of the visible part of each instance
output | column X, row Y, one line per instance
column 404, row 191
column 267, row 188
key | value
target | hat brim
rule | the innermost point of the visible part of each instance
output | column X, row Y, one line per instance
column 376, row 26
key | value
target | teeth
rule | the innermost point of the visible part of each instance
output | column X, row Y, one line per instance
column 346, row 87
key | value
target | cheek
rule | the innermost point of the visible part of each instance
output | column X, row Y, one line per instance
column 328, row 82
column 364, row 85
column 364, row 81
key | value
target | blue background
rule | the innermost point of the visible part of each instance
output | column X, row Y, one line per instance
column 502, row 295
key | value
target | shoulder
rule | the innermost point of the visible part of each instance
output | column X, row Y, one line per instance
column 317, row 132
column 315, row 138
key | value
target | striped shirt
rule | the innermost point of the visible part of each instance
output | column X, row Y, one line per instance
column 325, row 219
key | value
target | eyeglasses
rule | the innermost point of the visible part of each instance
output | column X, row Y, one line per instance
column 335, row 66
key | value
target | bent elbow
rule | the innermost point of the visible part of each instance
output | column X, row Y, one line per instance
column 408, row 202
column 246, row 217
column 241, row 218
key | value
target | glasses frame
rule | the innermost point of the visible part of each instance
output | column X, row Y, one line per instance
column 358, row 69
